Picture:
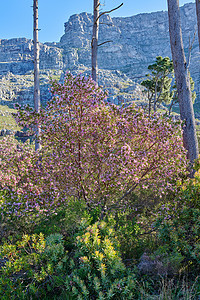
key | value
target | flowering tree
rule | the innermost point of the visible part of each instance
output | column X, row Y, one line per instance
column 100, row 152
column 22, row 191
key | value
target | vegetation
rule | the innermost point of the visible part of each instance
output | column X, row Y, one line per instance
column 158, row 83
column 104, row 210
column 90, row 150
column 160, row 86
column 6, row 119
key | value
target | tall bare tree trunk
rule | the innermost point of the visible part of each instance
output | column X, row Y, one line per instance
column 36, row 69
column 95, row 36
column 182, row 80
column 94, row 42
column 198, row 19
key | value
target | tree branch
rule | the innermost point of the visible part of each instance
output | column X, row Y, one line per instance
column 104, row 43
column 102, row 23
column 109, row 11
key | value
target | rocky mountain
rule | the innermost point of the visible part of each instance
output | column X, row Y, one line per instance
column 135, row 43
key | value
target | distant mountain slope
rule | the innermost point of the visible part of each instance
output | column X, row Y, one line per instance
column 137, row 40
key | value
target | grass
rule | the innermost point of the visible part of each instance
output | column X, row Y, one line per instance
column 171, row 290
column 6, row 119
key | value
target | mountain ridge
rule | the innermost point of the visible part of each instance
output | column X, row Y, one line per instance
column 137, row 40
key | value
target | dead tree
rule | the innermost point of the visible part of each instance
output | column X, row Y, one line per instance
column 94, row 42
column 36, row 70
column 198, row 19
column 182, row 81
column 95, row 36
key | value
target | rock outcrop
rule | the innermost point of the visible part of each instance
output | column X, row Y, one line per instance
column 136, row 41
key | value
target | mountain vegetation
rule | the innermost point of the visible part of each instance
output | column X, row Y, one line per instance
column 106, row 204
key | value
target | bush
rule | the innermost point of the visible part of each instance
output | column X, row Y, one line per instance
column 97, row 271
column 22, row 199
column 99, row 152
column 39, row 267
column 178, row 227
column 33, row 267
column 127, row 229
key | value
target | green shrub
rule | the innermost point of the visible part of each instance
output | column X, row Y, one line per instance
column 33, row 267
column 178, row 226
column 37, row 268
column 128, row 233
column 97, row 270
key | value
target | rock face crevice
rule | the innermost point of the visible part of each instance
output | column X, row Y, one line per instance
column 16, row 56
column 137, row 40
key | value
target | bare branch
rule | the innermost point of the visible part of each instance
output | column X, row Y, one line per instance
column 109, row 11
column 107, row 24
column 104, row 43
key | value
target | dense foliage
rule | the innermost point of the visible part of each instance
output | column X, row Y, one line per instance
column 98, row 161
column 93, row 151
column 178, row 225
column 160, row 87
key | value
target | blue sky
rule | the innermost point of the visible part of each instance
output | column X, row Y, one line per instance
column 16, row 15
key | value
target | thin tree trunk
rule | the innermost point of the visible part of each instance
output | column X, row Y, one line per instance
column 170, row 107
column 36, row 69
column 198, row 19
column 155, row 97
column 182, row 80
column 149, row 106
column 94, row 43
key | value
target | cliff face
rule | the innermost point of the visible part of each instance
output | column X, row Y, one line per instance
column 16, row 56
column 136, row 41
